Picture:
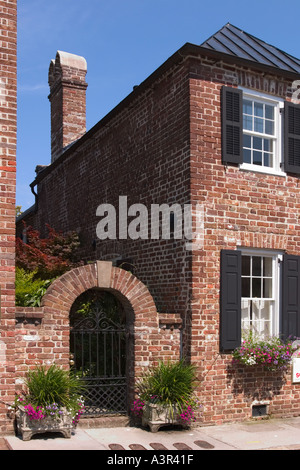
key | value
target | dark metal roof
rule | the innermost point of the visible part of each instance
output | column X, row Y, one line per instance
column 232, row 41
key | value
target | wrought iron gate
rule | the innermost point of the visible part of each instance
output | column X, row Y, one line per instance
column 98, row 356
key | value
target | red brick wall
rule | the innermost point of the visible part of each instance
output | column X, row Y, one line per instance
column 8, row 136
column 141, row 152
column 241, row 209
column 165, row 147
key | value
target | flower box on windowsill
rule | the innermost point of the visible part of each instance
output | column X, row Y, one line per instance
column 272, row 354
column 27, row 427
column 156, row 415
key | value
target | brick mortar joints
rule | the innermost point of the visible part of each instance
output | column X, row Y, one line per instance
column 67, row 84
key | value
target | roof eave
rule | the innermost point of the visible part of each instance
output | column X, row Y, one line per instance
column 232, row 59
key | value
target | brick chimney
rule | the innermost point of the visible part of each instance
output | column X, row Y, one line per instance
column 68, row 100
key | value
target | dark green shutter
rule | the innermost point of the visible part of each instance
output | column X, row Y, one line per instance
column 230, row 300
column 292, row 138
column 291, row 296
column 232, row 125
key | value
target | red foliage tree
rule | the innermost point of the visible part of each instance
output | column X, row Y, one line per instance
column 49, row 257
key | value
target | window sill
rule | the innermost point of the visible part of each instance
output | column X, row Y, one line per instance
column 265, row 171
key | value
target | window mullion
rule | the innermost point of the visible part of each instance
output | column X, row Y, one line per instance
column 260, row 134
column 265, row 116
column 251, row 277
column 262, row 313
column 261, row 278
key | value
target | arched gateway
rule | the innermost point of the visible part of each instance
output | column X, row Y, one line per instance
column 109, row 350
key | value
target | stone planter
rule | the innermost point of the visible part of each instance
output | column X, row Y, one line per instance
column 27, row 428
column 155, row 416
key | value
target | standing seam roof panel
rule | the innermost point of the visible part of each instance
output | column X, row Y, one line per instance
column 233, row 41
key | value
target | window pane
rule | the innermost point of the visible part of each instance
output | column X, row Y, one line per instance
column 269, row 110
column 266, row 309
column 267, row 267
column 245, row 314
column 247, row 107
column 256, row 310
column 266, row 315
column 269, row 127
column 245, row 287
column 257, row 158
column 268, row 156
column 247, row 141
column 268, row 160
column 258, row 125
column 247, row 123
column 256, row 266
column 256, row 287
column 267, row 288
column 258, row 109
column 246, row 156
column 245, row 308
column 267, row 145
column 257, row 143
column 246, row 265
column 266, row 333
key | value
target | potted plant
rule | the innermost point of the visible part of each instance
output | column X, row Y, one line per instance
column 272, row 353
column 52, row 402
column 166, row 395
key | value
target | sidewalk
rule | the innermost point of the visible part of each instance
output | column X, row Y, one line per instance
column 273, row 434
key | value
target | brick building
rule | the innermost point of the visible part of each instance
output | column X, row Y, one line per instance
column 216, row 128
column 8, row 140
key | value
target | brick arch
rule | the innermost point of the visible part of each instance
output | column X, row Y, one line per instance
column 62, row 293
column 141, row 314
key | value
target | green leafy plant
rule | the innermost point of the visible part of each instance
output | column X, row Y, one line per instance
column 40, row 260
column 169, row 384
column 53, row 385
column 49, row 390
column 29, row 289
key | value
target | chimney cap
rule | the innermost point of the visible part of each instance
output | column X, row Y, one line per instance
column 71, row 60
column 65, row 59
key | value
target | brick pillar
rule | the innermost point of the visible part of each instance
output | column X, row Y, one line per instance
column 8, row 142
column 68, row 100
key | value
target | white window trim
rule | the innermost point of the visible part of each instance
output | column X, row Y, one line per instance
column 277, row 259
column 279, row 103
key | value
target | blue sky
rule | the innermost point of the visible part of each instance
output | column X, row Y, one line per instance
column 123, row 41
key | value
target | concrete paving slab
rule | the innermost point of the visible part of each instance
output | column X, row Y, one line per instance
column 253, row 435
column 80, row 440
column 115, row 439
column 130, row 435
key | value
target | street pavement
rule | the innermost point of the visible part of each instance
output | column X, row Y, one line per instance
column 271, row 434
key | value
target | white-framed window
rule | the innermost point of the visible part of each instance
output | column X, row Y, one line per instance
column 262, row 133
column 260, row 292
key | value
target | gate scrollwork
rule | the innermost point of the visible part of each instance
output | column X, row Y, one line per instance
column 98, row 344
